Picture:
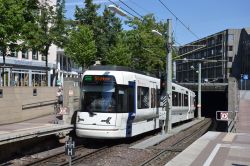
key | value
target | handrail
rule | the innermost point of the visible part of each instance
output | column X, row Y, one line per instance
column 38, row 104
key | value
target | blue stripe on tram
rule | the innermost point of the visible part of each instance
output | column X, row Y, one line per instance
column 131, row 114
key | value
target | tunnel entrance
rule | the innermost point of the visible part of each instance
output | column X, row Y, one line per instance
column 212, row 101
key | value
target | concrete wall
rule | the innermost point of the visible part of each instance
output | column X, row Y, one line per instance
column 18, row 103
column 233, row 103
column 71, row 98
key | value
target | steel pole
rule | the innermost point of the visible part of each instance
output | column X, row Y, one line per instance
column 168, row 88
column 199, row 92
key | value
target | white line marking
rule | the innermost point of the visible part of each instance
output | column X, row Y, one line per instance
column 212, row 155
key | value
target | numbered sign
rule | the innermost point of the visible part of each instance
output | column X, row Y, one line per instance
column 225, row 115
column 70, row 147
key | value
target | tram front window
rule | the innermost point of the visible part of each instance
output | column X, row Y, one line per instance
column 98, row 99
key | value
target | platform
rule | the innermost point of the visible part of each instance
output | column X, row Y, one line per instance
column 217, row 149
column 32, row 128
column 161, row 137
column 243, row 123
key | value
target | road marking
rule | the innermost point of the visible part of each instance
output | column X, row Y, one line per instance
column 212, row 155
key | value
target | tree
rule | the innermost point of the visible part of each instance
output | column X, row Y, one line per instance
column 49, row 28
column 81, row 46
column 12, row 20
column 111, row 33
column 148, row 50
column 119, row 53
column 88, row 16
column 105, row 27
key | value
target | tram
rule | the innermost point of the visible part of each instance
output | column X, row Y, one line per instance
column 117, row 102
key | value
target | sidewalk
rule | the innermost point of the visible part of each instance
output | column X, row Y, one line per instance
column 32, row 128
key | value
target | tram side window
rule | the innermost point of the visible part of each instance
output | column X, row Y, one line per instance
column 175, row 98
column 153, row 98
column 192, row 101
column 142, row 97
column 122, row 105
column 185, row 100
column 179, row 99
column 158, row 98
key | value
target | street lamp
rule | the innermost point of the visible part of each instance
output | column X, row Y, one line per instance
column 117, row 10
column 156, row 32
column 199, row 89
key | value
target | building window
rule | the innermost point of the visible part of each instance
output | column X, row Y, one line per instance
column 212, row 52
column 142, row 97
column 1, row 53
column 34, row 54
column 13, row 52
column 230, row 38
column 213, row 42
column 43, row 58
column 25, row 54
column 230, row 59
column 230, row 48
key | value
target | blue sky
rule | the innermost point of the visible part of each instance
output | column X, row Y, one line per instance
column 203, row 17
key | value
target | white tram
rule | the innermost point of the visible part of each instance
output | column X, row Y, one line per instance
column 117, row 103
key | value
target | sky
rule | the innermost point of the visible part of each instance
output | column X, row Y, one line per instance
column 202, row 17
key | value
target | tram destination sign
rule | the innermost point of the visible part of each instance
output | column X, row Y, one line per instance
column 98, row 79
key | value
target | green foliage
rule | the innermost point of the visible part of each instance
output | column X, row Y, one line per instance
column 111, row 28
column 119, row 53
column 88, row 16
column 106, row 28
column 12, row 19
column 48, row 28
column 81, row 46
column 148, row 50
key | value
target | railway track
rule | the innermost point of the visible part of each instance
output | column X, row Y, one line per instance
column 113, row 153
column 166, row 154
column 60, row 159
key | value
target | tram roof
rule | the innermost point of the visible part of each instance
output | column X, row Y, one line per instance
column 119, row 68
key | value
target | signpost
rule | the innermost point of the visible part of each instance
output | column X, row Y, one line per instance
column 70, row 149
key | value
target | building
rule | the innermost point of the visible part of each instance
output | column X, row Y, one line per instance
column 231, row 47
column 65, row 67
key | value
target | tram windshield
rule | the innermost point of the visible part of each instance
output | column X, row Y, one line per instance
column 99, row 99
column 102, row 94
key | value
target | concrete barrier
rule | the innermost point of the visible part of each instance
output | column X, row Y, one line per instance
column 233, row 102
column 71, row 98
column 23, row 103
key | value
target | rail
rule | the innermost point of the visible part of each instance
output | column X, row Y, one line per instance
column 177, row 147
